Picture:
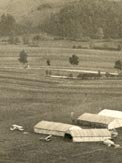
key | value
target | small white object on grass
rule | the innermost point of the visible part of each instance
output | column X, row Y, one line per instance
column 109, row 143
column 72, row 116
column 16, row 127
column 48, row 138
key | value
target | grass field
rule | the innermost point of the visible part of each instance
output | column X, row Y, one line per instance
column 27, row 96
column 37, row 56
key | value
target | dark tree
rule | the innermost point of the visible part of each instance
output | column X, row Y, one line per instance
column 7, row 25
column 74, row 60
column 23, row 57
column 48, row 62
column 118, row 65
column 36, row 38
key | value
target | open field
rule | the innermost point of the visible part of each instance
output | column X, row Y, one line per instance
column 26, row 101
column 28, row 96
column 37, row 56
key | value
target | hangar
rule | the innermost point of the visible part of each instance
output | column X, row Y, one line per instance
column 88, row 135
column 111, row 113
column 75, row 133
column 52, row 128
column 99, row 121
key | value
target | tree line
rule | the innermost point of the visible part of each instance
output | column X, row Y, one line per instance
column 9, row 26
column 87, row 18
column 73, row 60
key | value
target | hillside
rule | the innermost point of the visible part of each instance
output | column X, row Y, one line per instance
column 94, row 19
column 27, row 11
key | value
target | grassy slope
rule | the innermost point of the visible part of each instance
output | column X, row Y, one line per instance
column 28, row 96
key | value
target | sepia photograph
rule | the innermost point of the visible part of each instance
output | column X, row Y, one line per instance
column 60, row 81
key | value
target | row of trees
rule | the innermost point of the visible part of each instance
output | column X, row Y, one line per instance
column 23, row 58
column 9, row 26
column 74, row 60
column 87, row 18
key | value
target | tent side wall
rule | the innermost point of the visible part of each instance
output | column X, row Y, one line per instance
column 90, row 139
column 91, row 124
column 89, row 135
column 117, row 123
column 49, row 132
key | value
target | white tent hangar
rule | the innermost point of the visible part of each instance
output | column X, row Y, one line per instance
column 75, row 133
column 52, row 128
column 99, row 121
column 111, row 113
column 88, row 135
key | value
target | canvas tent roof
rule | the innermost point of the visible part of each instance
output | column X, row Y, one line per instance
column 96, row 120
column 53, row 128
column 111, row 113
column 89, row 135
column 78, row 134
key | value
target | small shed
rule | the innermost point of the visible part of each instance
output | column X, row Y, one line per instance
column 111, row 113
column 99, row 121
column 52, row 128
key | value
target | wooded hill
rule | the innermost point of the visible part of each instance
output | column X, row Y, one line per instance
column 31, row 11
column 74, row 19
column 86, row 18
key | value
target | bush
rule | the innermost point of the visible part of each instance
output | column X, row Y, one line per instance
column 36, row 38
column 23, row 57
column 79, row 47
column 70, row 75
column 48, row 62
column 74, row 47
column 118, row 65
column 87, row 76
column 74, row 60
column 80, row 76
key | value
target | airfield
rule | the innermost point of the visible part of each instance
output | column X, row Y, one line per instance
column 28, row 96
